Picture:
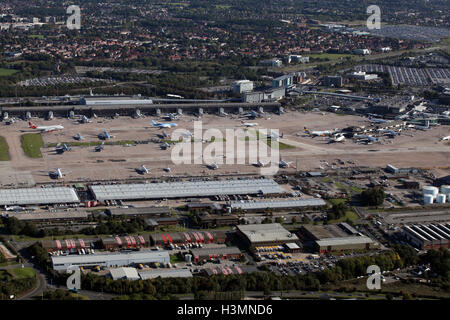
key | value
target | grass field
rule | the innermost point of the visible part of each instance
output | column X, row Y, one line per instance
column 337, row 201
column 32, row 144
column 7, row 72
column 36, row 36
column 4, row 154
column 22, row 273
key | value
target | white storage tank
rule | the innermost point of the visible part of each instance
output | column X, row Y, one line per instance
column 428, row 199
column 430, row 190
column 440, row 198
column 188, row 258
column 445, row 190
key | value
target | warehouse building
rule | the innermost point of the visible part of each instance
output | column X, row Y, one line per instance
column 145, row 212
column 215, row 253
column 126, row 242
column 108, row 260
column 36, row 196
column 207, row 220
column 178, row 238
column 241, row 86
column 51, row 216
column 265, row 234
column 185, row 189
column 337, row 237
column 426, row 237
column 345, row 244
column 124, row 273
column 278, row 204
column 165, row 273
column 67, row 245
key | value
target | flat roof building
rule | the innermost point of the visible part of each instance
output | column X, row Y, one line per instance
column 278, row 204
column 345, row 243
column 216, row 253
column 124, row 274
column 265, row 234
column 139, row 211
column 185, row 189
column 109, row 259
column 30, row 196
column 426, row 237
column 165, row 273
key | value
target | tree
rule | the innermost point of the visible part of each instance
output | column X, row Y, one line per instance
column 373, row 196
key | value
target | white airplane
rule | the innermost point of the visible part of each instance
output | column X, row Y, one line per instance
column 99, row 148
column 249, row 124
column 78, row 137
column 167, row 169
column 188, row 134
column 259, row 163
column 45, row 128
column 338, row 138
column 425, row 127
column 445, row 138
column 170, row 117
column 365, row 137
column 319, row 133
column 253, row 114
column 84, row 119
column 62, row 149
column 58, row 174
column 143, row 169
column 274, row 136
column 374, row 120
column 212, row 166
column 284, row 164
column 386, row 132
column 164, row 146
column 163, row 125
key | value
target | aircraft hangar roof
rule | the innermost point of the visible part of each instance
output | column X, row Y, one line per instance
column 185, row 189
column 24, row 196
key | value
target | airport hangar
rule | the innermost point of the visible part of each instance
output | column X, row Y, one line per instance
column 257, row 235
column 109, row 260
column 165, row 190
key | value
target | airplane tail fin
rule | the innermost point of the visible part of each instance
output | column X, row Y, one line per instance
column 153, row 122
column 32, row 125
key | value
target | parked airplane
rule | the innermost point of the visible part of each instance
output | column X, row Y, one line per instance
column 163, row 125
column 142, row 170
column 212, row 166
column 445, row 138
column 104, row 135
column 249, row 124
column 188, row 134
column 253, row 114
column 45, row 128
column 284, row 164
column 365, row 138
column 170, row 117
column 386, row 132
column 319, row 133
column 84, row 119
column 56, row 174
column 165, row 145
column 61, row 149
column 338, row 138
column 99, row 148
column 78, row 137
column 167, row 169
column 374, row 120
column 259, row 163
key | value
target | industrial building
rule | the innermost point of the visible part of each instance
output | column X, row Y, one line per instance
column 260, row 96
column 126, row 242
column 216, row 253
column 178, row 238
column 185, row 189
column 283, row 81
column 145, row 212
column 363, row 76
column 242, row 86
column 207, row 220
column 108, row 260
column 338, row 237
column 67, row 245
column 51, row 216
column 265, row 234
column 426, row 237
column 278, row 204
column 36, row 196
column 165, row 273
column 124, row 273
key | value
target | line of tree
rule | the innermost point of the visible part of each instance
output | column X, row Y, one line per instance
column 373, row 196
